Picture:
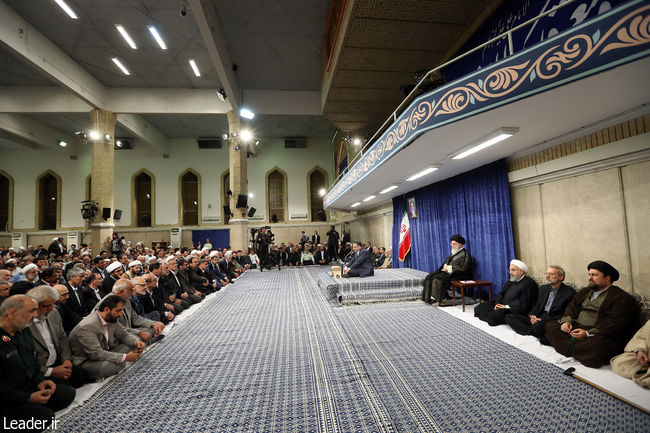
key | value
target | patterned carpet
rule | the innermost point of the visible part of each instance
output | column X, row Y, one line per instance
column 270, row 354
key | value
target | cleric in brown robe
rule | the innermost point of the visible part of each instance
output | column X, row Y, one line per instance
column 598, row 321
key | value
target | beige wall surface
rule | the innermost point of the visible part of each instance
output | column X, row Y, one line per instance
column 602, row 215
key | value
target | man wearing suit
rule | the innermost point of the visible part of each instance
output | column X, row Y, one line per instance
column 598, row 321
column 24, row 393
column 518, row 296
column 174, row 288
column 457, row 266
column 551, row 302
column 332, row 243
column 320, row 256
column 76, row 302
column 380, row 257
column 184, row 278
column 50, row 341
column 152, row 302
column 135, row 324
column 100, row 345
column 99, row 266
column 315, row 238
column 360, row 265
column 92, row 294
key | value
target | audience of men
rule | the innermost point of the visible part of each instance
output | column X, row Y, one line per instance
column 551, row 302
column 598, row 322
column 518, row 296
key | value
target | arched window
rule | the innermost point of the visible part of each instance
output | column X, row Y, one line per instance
column 276, row 193
column 190, row 198
column 48, row 201
column 143, row 201
column 317, row 184
column 5, row 191
column 225, row 198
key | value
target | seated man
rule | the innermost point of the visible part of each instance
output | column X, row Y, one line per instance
column 51, row 342
column 597, row 322
column 100, row 345
column 381, row 257
column 321, row 255
column 459, row 263
column 518, row 296
column 360, row 264
column 24, row 393
column 551, row 302
column 153, row 302
column 306, row 257
column 634, row 361
column 388, row 263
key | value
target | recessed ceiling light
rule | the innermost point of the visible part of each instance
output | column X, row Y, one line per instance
column 355, row 204
column 157, row 37
column 388, row 189
column 194, row 67
column 422, row 173
column 121, row 66
column 370, row 197
column 246, row 135
column 487, row 141
column 126, row 36
column 62, row 143
column 67, row 9
column 246, row 113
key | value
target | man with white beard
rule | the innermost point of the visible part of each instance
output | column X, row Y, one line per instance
column 458, row 266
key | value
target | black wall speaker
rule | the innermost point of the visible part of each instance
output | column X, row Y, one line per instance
column 274, row 218
column 106, row 213
column 226, row 210
column 242, row 200
column 251, row 212
column 117, row 214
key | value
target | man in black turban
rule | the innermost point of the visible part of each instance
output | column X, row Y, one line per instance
column 598, row 321
column 458, row 266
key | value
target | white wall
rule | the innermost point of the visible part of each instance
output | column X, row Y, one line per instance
column 26, row 165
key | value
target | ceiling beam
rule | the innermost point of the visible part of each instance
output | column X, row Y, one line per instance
column 166, row 101
column 40, row 100
column 38, row 51
column 283, row 102
column 33, row 131
column 207, row 20
column 144, row 131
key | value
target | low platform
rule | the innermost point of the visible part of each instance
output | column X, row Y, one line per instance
column 387, row 285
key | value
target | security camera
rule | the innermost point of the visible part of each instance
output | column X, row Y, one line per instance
column 183, row 11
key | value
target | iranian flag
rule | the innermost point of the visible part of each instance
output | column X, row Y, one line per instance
column 404, row 235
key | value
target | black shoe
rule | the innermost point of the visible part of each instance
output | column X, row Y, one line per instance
column 157, row 338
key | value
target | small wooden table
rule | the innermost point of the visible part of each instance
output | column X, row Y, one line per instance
column 465, row 284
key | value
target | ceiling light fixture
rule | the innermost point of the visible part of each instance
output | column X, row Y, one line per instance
column 246, row 113
column 421, row 173
column 356, row 141
column 157, row 37
column 257, row 142
column 107, row 136
column 67, row 9
column 246, row 135
column 126, row 36
column 62, row 143
column 322, row 192
column 94, row 135
column 370, row 197
column 355, row 204
column 487, row 141
column 118, row 143
column 250, row 195
column 194, row 67
column 388, row 189
column 221, row 94
column 120, row 65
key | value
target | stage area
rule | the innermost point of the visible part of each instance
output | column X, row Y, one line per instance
column 271, row 354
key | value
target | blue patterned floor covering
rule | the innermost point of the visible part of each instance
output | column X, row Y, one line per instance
column 403, row 284
column 269, row 354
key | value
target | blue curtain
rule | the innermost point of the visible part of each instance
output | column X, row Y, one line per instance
column 218, row 238
column 476, row 205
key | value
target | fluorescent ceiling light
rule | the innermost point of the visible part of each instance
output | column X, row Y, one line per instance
column 487, row 141
column 194, row 67
column 67, row 9
column 370, row 197
column 355, row 204
column 246, row 113
column 422, row 173
column 62, row 143
column 121, row 66
column 388, row 189
column 246, row 135
column 157, row 37
column 126, row 36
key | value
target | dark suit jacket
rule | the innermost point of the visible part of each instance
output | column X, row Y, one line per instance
column 196, row 278
column 107, row 286
column 562, row 298
column 77, row 307
column 54, row 248
column 90, row 298
column 380, row 260
column 19, row 369
column 320, row 255
column 527, row 298
column 315, row 239
column 150, row 302
column 59, row 339
column 184, row 279
column 226, row 268
column 617, row 315
column 361, row 263
column 171, row 287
